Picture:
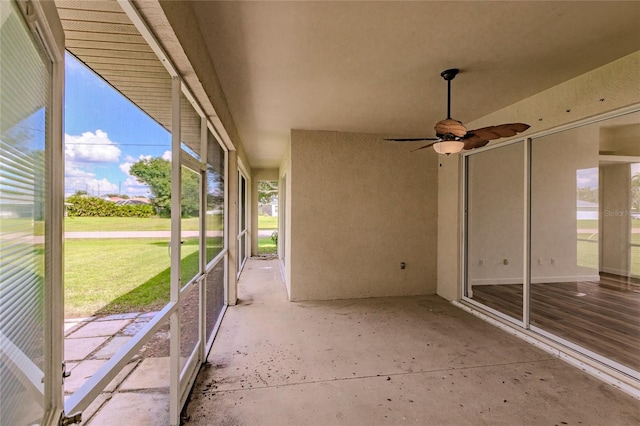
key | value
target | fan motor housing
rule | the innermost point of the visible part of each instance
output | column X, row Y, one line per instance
column 450, row 127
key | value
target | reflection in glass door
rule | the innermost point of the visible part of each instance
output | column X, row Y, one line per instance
column 583, row 258
column 495, row 220
column 634, row 216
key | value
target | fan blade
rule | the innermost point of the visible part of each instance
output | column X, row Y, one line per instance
column 474, row 142
column 484, row 133
column 496, row 132
column 412, row 139
column 426, row 146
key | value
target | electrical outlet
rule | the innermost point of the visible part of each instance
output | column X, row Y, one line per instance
column 481, row 262
column 505, row 261
column 553, row 261
column 403, row 265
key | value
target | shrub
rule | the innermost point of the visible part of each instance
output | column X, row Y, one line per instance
column 82, row 206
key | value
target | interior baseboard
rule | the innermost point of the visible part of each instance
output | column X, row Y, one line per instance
column 620, row 272
column 536, row 280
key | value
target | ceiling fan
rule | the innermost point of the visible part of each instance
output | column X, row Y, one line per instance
column 452, row 136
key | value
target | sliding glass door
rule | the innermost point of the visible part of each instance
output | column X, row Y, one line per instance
column 583, row 213
column 495, row 220
column 553, row 237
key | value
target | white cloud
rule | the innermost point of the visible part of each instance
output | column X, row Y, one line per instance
column 587, row 178
column 90, row 184
column 72, row 172
column 132, row 187
column 91, row 148
column 166, row 155
column 129, row 160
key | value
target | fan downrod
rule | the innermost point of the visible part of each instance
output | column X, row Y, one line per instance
column 450, row 74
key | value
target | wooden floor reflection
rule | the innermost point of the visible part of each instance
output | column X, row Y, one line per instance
column 603, row 317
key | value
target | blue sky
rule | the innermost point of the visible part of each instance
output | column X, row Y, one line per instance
column 104, row 135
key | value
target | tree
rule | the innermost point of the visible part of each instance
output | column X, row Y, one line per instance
column 267, row 191
column 190, row 203
column 156, row 173
column 588, row 194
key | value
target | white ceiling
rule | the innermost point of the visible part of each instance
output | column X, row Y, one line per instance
column 375, row 66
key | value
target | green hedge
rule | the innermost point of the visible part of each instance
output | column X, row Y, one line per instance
column 82, row 206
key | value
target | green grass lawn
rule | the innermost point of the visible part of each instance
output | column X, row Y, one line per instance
column 106, row 276
column 88, row 224
column 267, row 222
column 588, row 224
column 119, row 275
column 266, row 246
column 587, row 254
column 11, row 225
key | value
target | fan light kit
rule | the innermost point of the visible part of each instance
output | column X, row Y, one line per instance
column 451, row 135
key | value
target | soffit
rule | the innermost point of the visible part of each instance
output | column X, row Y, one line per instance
column 101, row 35
column 375, row 66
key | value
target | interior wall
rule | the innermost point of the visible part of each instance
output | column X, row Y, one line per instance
column 360, row 207
column 496, row 216
column 613, row 86
column 616, row 218
column 556, row 160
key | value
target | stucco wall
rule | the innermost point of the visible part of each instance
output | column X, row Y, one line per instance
column 361, row 206
column 602, row 90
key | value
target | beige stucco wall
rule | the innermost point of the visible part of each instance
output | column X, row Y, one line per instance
column 602, row 90
column 361, row 206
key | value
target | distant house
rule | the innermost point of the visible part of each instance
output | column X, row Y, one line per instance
column 269, row 209
column 129, row 201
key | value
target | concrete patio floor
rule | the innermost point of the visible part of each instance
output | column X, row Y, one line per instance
column 140, row 391
column 404, row 360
